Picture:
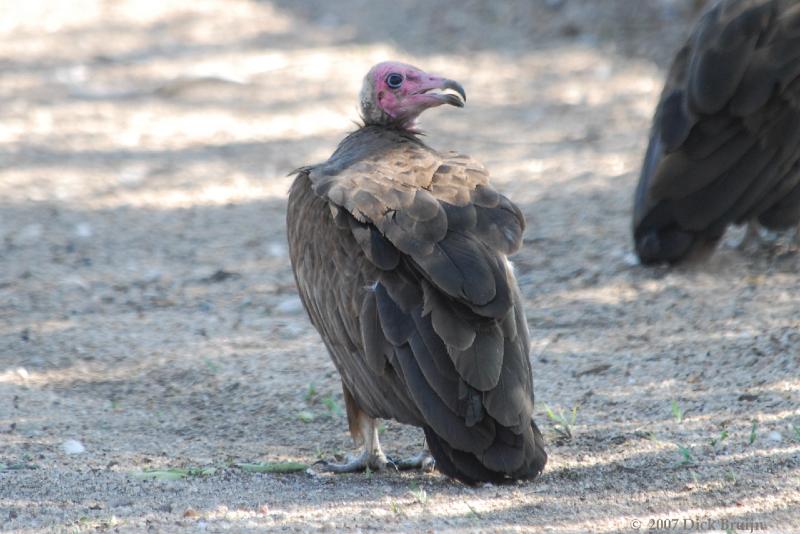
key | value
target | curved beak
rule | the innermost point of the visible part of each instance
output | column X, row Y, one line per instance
column 452, row 99
column 456, row 98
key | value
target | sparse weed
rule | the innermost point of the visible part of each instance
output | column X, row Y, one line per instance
column 677, row 413
column 753, row 432
column 562, row 424
column 718, row 440
column 334, row 410
column 273, row 467
column 305, row 416
column 397, row 509
column 311, row 392
column 175, row 473
column 686, row 455
column 419, row 494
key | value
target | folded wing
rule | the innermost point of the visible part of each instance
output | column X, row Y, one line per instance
column 725, row 142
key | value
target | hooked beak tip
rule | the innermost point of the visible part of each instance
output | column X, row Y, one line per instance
column 458, row 88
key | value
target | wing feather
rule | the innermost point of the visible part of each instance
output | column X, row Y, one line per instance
column 729, row 111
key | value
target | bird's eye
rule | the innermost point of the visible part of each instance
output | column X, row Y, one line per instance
column 394, row 80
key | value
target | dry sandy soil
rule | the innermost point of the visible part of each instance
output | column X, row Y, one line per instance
column 147, row 308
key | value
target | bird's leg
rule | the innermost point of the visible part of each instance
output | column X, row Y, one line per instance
column 372, row 457
column 364, row 431
column 752, row 237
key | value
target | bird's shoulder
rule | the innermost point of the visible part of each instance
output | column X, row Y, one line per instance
column 414, row 194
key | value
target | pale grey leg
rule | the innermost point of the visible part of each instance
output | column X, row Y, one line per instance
column 372, row 457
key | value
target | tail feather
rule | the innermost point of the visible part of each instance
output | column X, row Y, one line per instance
column 470, row 469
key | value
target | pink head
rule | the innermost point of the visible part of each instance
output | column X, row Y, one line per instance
column 395, row 94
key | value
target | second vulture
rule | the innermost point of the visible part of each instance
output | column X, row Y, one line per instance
column 399, row 254
column 725, row 143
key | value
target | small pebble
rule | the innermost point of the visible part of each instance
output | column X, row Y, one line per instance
column 83, row 229
column 73, row 446
column 775, row 436
column 289, row 306
column 277, row 250
column 630, row 259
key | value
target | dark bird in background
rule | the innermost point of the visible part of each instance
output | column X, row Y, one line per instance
column 399, row 254
column 725, row 143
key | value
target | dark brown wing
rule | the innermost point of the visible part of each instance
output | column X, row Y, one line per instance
column 438, row 309
column 725, row 142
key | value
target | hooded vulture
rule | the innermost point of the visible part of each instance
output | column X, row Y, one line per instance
column 725, row 142
column 399, row 254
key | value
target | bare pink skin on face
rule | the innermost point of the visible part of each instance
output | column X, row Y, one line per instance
column 401, row 92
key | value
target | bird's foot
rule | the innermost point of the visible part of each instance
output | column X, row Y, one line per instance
column 752, row 239
column 375, row 461
column 422, row 461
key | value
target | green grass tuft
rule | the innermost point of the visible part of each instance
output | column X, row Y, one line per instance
column 718, row 440
column 677, row 413
column 174, row 474
column 334, row 410
column 305, row 416
column 562, row 424
column 272, row 467
column 686, row 455
column 419, row 494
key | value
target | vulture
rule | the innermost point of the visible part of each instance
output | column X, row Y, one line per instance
column 399, row 255
column 725, row 142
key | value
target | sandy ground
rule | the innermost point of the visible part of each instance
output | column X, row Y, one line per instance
column 147, row 308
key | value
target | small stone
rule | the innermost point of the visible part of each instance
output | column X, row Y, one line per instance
column 630, row 259
column 276, row 250
column 83, row 230
column 73, row 446
column 190, row 512
column 290, row 306
column 775, row 436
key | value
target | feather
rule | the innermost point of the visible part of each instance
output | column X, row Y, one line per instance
column 725, row 140
column 396, row 325
column 480, row 364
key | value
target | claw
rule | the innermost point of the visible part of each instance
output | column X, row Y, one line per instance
column 422, row 461
column 375, row 462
